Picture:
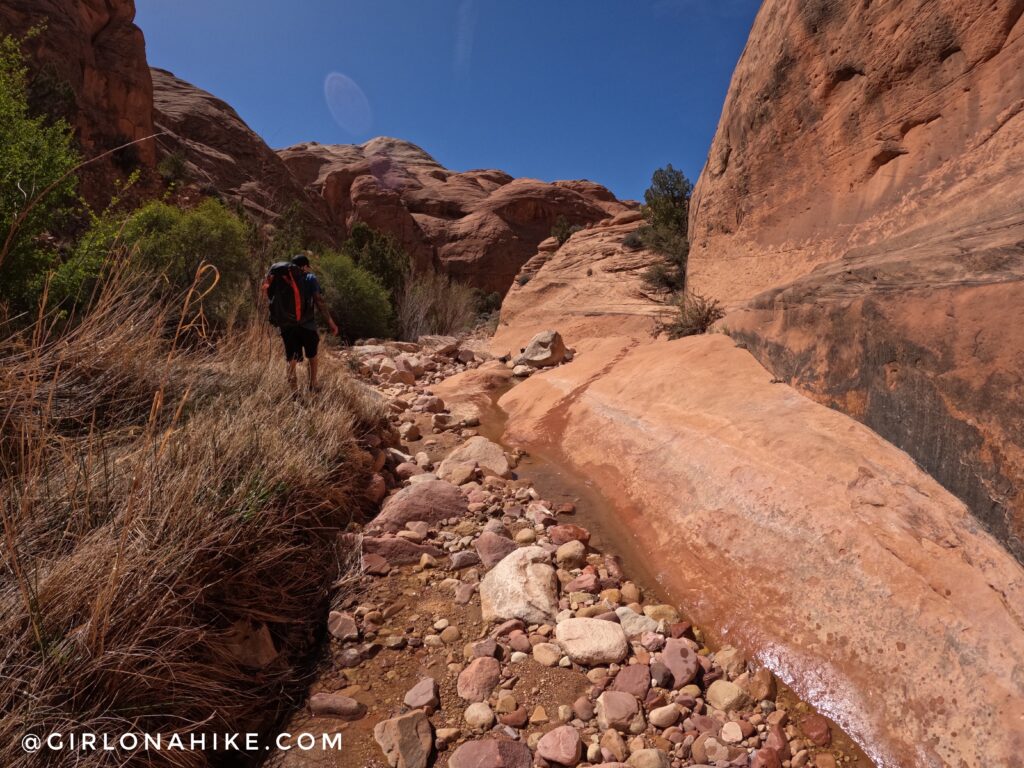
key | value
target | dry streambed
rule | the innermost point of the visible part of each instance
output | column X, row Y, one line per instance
column 483, row 629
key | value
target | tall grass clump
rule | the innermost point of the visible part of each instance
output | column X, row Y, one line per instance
column 432, row 303
column 161, row 501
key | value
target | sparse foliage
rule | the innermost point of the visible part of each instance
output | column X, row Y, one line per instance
column 434, row 303
column 380, row 254
column 695, row 315
column 563, row 230
column 35, row 155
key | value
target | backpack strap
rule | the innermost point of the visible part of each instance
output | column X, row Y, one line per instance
column 297, row 294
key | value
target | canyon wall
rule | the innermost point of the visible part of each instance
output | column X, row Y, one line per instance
column 862, row 213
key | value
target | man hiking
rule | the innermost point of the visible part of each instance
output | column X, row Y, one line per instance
column 293, row 291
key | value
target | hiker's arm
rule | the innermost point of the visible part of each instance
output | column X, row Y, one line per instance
column 322, row 305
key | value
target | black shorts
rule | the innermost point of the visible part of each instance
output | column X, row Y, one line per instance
column 297, row 340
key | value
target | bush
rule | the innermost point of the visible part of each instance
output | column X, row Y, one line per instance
column 358, row 302
column 667, row 209
column 487, row 303
column 633, row 240
column 696, row 314
column 35, row 156
column 380, row 254
column 156, row 504
column 172, row 243
column 172, row 168
column 563, row 230
column 432, row 303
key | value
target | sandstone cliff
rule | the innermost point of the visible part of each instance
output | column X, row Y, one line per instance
column 478, row 226
column 91, row 55
column 862, row 210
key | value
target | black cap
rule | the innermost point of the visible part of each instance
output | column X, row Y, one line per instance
column 301, row 261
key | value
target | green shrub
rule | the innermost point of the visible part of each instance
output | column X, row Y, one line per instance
column 695, row 315
column 487, row 303
column 667, row 210
column 433, row 303
column 172, row 168
column 35, row 156
column 172, row 243
column 563, row 230
column 380, row 254
column 359, row 303
column 633, row 240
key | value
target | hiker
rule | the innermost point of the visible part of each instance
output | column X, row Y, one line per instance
column 293, row 291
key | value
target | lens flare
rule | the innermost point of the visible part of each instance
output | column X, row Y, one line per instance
column 348, row 104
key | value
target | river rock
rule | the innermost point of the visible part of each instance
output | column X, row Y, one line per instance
column 682, row 662
column 430, row 501
column 423, row 695
column 522, row 586
column 493, row 548
column 616, row 710
column 491, row 753
column 478, row 679
column 726, row 696
column 479, row 716
column 544, row 349
column 572, row 554
column 816, row 728
column 406, row 740
column 648, row 758
column 547, row 654
column 592, row 642
column 560, row 534
column 634, row 679
column 561, row 745
column 489, row 456
column 635, row 624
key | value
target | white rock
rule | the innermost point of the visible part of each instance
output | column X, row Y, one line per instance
column 523, row 586
column 592, row 642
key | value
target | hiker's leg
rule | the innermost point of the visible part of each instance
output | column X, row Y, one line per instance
column 292, row 354
column 311, row 345
column 293, row 378
column 312, row 372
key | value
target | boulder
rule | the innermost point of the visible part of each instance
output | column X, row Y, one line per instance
column 522, row 586
column 430, row 501
column 545, row 349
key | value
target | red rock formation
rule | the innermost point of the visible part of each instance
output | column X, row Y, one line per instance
column 478, row 226
column 94, row 49
column 225, row 155
column 863, row 209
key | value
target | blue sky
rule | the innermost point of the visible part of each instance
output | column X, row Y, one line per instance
column 606, row 90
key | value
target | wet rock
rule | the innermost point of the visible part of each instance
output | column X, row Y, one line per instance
column 491, row 753
column 562, row 746
column 493, row 548
column 336, row 705
column 430, row 501
column 726, row 696
column 521, row 586
column 405, row 740
column 732, row 661
column 816, row 728
column 424, row 695
column 560, row 534
column 592, row 642
column 478, row 679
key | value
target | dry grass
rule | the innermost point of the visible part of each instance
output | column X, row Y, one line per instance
column 432, row 303
column 695, row 314
column 155, row 499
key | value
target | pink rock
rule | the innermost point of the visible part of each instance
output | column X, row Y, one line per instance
column 816, row 728
column 634, row 680
column 561, row 745
column 342, row 626
column 398, row 551
column 560, row 534
column 423, row 695
column 585, row 582
column 478, row 679
column 765, row 758
column 682, row 661
column 492, row 548
column 431, row 501
column 375, row 565
column 336, row 705
column 491, row 753
column 617, row 710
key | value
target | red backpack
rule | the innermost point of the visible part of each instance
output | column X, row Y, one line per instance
column 283, row 289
